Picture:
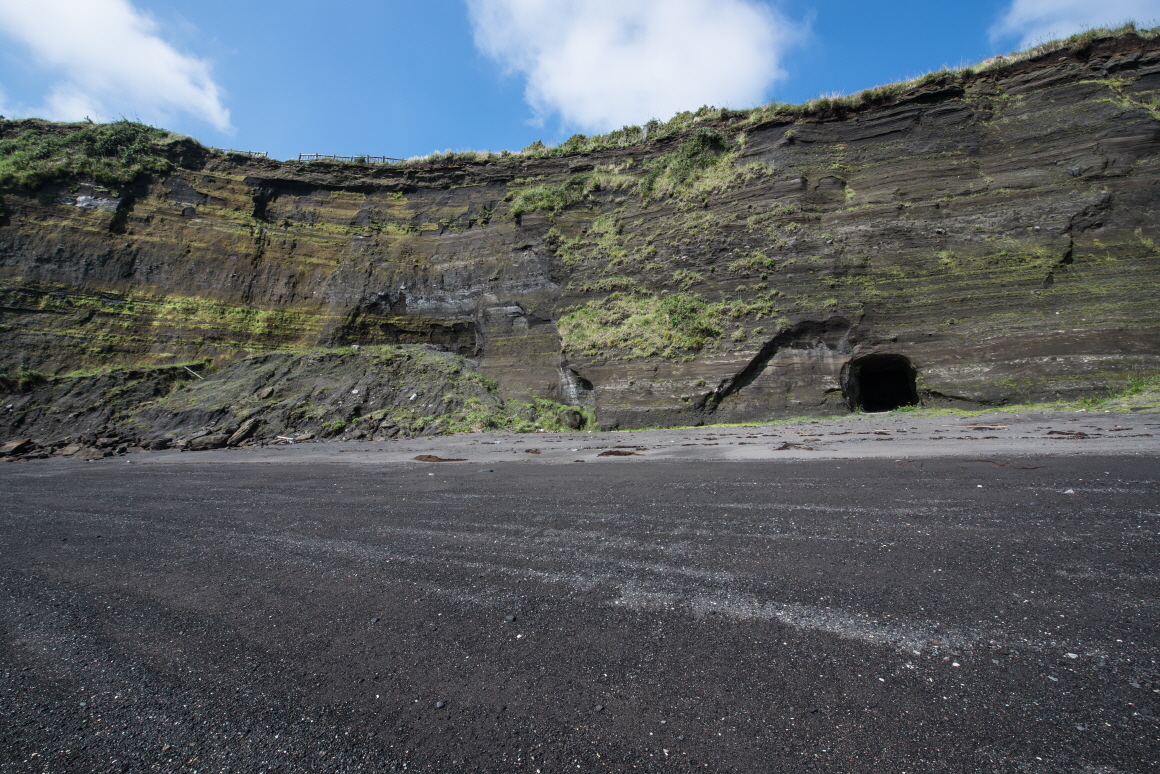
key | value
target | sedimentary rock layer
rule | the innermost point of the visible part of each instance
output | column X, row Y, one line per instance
column 980, row 238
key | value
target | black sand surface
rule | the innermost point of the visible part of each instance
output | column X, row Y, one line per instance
column 952, row 614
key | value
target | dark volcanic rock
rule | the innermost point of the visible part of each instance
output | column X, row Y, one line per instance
column 244, row 431
column 571, row 418
column 16, row 447
column 216, row 441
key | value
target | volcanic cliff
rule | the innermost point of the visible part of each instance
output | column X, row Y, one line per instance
column 976, row 237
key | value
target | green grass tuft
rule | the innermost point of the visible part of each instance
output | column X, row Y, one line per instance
column 701, row 150
column 35, row 152
column 551, row 198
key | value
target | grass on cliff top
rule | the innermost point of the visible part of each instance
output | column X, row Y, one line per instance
column 880, row 94
column 34, row 152
column 708, row 116
column 714, row 136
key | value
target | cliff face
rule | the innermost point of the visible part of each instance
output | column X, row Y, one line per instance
column 977, row 239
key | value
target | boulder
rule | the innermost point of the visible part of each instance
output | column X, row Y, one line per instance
column 16, row 447
column 70, row 450
column 243, row 432
column 571, row 418
column 205, row 442
column 157, row 444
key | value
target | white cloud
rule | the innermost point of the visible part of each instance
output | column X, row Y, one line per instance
column 601, row 64
column 1037, row 21
column 110, row 62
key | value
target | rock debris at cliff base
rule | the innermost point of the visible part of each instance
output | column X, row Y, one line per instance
column 377, row 393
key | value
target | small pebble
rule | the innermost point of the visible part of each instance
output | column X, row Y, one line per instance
column 600, row 708
column 440, row 704
column 485, row 470
column 509, row 618
column 374, row 620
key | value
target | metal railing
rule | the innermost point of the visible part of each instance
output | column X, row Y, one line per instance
column 356, row 159
column 251, row 154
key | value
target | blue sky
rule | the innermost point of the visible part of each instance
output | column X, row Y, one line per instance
column 408, row 78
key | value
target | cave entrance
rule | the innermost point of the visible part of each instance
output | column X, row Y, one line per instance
column 880, row 383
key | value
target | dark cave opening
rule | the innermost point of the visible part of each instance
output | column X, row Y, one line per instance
column 880, row 383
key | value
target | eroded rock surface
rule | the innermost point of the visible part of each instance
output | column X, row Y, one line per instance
column 373, row 393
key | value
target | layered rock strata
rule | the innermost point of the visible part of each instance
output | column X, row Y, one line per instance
column 978, row 239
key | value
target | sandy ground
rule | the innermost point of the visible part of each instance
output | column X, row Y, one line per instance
column 877, row 594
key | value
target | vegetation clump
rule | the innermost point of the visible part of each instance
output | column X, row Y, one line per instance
column 637, row 325
column 577, row 188
column 704, row 148
column 551, row 198
column 35, row 152
column 752, row 264
column 21, row 380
